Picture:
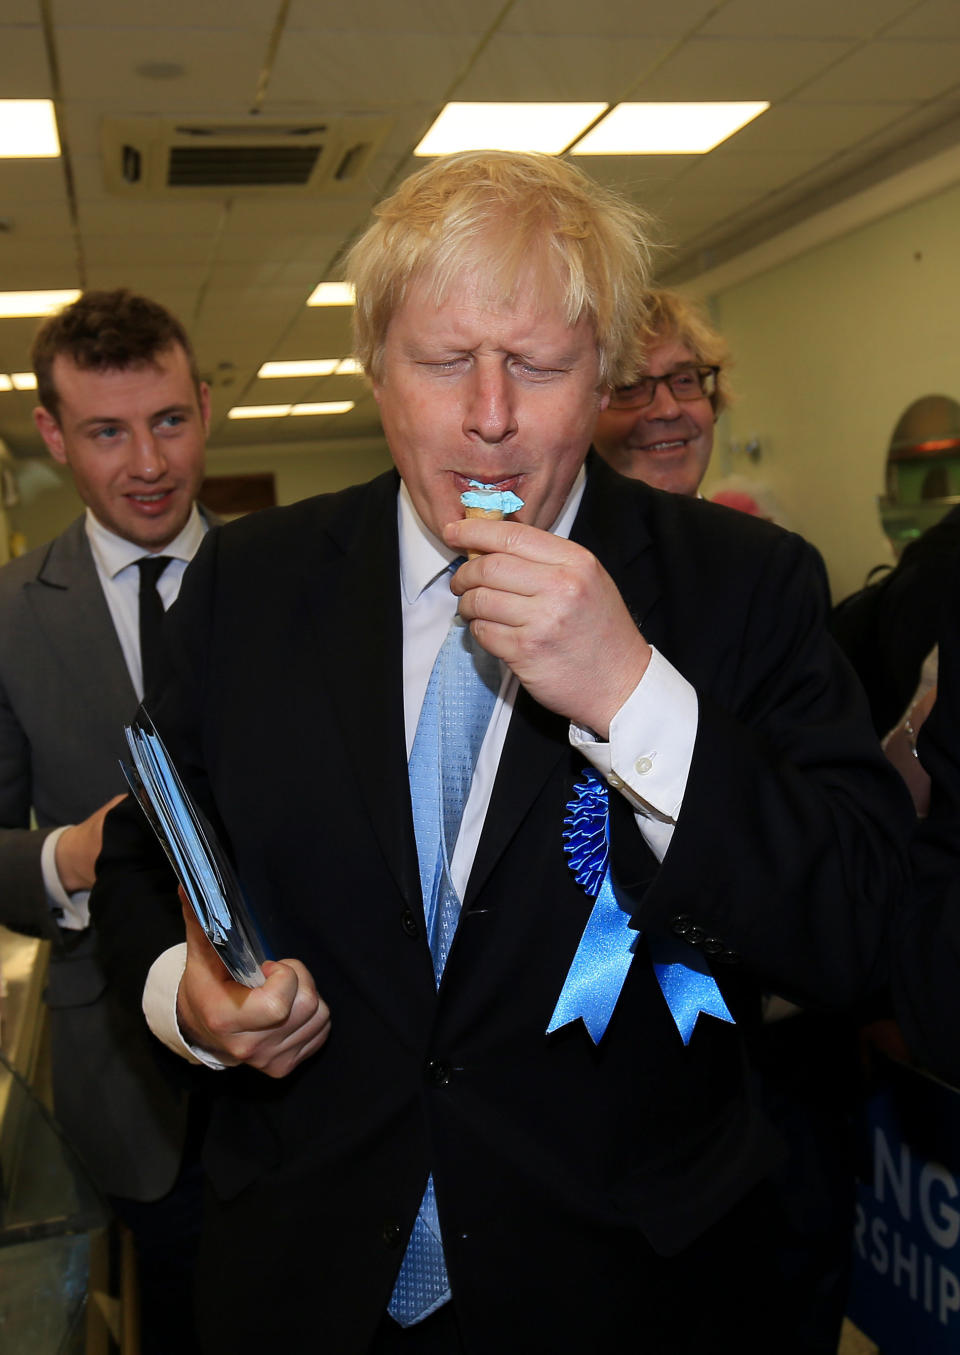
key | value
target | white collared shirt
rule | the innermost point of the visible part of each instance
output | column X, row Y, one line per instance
column 116, row 562
column 115, row 559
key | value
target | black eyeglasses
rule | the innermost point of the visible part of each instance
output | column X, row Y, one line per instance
column 686, row 383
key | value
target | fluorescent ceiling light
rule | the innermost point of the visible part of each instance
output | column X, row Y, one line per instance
column 5, row 383
column 332, row 294
column 308, row 367
column 258, row 411
column 666, row 129
column 508, row 127
column 324, row 407
column 28, row 128
column 18, row 304
column 349, row 367
column 23, row 381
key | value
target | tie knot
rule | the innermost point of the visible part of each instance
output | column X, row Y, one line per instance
column 151, row 567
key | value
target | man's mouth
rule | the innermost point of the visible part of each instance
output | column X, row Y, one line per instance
column 501, row 482
column 154, row 499
column 673, row 445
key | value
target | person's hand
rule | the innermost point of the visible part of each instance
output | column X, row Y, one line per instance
column 78, row 847
column 272, row 1028
column 549, row 609
column 900, row 746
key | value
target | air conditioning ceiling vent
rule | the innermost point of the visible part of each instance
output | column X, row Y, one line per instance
column 149, row 157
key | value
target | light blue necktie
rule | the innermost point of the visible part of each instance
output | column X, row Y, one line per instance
column 456, row 710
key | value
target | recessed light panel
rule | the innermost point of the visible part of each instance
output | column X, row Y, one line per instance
column 324, row 407
column 19, row 304
column 28, row 127
column 547, row 127
column 332, row 294
column 23, row 381
column 306, row 367
column 258, row 411
column 666, row 128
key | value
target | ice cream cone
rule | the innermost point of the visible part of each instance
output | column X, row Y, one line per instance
column 494, row 514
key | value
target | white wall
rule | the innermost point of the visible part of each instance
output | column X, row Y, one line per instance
column 830, row 348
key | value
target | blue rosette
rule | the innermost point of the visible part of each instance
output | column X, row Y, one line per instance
column 608, row 944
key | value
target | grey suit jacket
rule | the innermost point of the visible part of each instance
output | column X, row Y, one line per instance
column 64, row 695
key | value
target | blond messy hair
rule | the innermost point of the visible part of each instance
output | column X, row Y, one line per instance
column 507, row 220
column 672, row 316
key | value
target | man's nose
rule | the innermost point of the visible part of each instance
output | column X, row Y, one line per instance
column 490, row 413
column 147, row 459
column 664, row 404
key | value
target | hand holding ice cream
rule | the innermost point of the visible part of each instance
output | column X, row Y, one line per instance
column 487, row 501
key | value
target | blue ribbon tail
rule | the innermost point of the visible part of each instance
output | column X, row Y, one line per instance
column 599, row 967
column 687, row 985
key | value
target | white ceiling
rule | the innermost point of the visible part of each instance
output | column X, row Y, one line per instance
column 860, row 90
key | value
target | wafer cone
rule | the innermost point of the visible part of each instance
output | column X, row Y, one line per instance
column 494, row 514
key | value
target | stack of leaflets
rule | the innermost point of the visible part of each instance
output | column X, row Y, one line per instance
column 195, row 852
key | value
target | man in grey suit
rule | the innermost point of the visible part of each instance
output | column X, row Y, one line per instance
column 122, row 406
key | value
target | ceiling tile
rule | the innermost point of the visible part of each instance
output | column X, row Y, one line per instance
column 933, row 19
column 31, row 181
column 166, row 14
column 24, row 73
column 614, row 18
column 739, row 68
column 797, row 126
column 101, row 215
column 153, row 279
column 221, row 68
column 890, row 71
column 377, row 69
column 544, row 67
column 391, row 16
column 812, row 19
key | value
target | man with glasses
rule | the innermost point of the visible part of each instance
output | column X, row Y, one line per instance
column 660, row 428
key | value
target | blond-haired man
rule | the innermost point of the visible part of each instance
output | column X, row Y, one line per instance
column 425, row 1150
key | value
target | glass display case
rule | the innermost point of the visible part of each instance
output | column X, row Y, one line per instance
column 53, row 1223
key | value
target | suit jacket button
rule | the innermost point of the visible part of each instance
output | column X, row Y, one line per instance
column 391, row 1234
column 438, row 1072
column 713, row 946
column 694, row 935
column 409, row 923
column 729, row 957
column 681, row 924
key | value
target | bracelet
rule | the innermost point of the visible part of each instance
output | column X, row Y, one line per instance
column 911, row 733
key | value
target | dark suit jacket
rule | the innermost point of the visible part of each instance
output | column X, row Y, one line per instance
column 555, row 1162
column 927, row 950
column 64, row 695
column 888, row 628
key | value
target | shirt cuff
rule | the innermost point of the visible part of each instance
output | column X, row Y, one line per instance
column 652, row 737
column 71, row 910
column 160, row 1006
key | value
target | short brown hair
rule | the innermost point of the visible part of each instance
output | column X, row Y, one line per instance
column 501, row 214
column 672, row 316
column 106, row 331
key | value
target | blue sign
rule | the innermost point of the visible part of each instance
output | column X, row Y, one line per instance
column 906, row 1282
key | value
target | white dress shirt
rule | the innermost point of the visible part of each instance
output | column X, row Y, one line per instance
column 647, row 759
column 116, row 559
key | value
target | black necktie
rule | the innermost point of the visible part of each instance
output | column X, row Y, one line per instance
column 151, row 617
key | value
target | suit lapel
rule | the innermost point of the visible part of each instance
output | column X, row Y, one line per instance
column 70, row 609
column 365, row 672
column 351, row 608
